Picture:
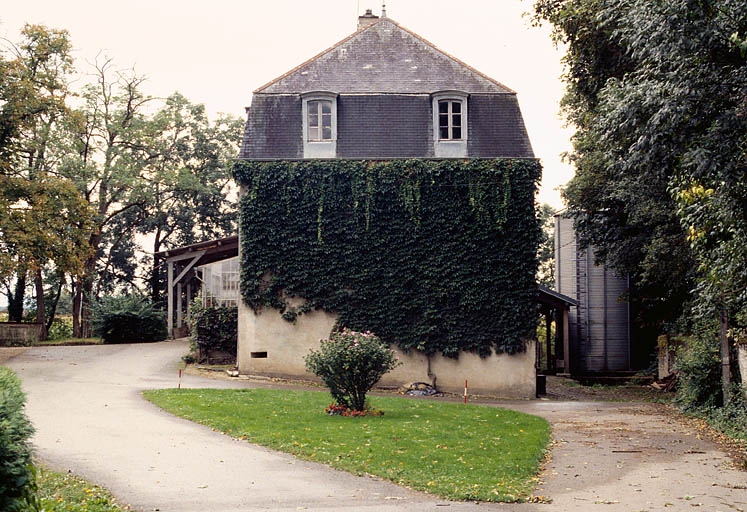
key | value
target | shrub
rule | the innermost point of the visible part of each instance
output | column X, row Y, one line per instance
column 214, row 329
column 17, row 484
column 699, row 369
column 350, row 363
column 61, row 329
column 127, row 319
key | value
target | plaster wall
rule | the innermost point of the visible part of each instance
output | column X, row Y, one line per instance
column 271, row 346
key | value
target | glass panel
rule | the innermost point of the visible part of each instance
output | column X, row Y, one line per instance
column 443, row 120
column 456, row 107
column 456, row 132
column 327, row 133
column 443, row 107
column 326, row 107
column 313, row 133
column 456, row 120
column 443, row 133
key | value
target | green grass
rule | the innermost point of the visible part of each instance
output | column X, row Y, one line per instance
column 456, row 451
column 64, row 492
column 69, row 341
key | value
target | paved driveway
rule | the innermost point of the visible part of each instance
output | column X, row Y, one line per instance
column 86, row 405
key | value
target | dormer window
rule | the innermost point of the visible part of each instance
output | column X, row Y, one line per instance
column 450, row 124
column 320, row 120
column 320, row 125
column 450, row 120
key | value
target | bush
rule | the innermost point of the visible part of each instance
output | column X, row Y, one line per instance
column 17, row 484
column 699, row 367
column 214, row 329
column 350, row 363
column 127, row 319
column 61, row 329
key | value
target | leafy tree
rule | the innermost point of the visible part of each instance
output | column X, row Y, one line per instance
column 546, row 249
column 43, row 219
column 193, row 195
column 660, row 184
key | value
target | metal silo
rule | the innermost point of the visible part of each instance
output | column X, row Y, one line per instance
column 599, row 328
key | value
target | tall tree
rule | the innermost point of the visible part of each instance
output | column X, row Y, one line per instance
column 661, row 154
column 43, row 218
column 193, row 195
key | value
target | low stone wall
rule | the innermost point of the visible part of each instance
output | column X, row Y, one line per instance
column 19, row 334
column 271, row 346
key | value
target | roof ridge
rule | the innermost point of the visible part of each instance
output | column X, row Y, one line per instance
column 368, row 27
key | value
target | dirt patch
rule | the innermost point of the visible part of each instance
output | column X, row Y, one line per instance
column 6, row 353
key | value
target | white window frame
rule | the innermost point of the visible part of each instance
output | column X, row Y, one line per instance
column 450, row 147
column 316, row 148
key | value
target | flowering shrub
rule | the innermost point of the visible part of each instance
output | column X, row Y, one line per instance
column 350, row 363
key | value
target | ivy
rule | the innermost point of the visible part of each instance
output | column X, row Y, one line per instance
column 433, row 255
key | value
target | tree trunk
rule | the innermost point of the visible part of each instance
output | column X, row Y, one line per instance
column 40, row 309
column 723, row 323
column 53, row 305
column 15, row 299
column 76, row 308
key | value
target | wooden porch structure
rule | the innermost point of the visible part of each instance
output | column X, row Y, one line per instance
column 183, row 284
column 555, row 307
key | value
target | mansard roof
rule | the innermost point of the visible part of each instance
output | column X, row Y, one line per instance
column 383, row 58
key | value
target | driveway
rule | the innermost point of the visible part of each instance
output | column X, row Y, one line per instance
column 86, row 405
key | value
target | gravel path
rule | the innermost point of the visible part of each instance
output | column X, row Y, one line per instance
column 91, row 419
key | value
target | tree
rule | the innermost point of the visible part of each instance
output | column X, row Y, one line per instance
column 546, row 249
column 43, row 219
column 660, row 154
column 192, row 189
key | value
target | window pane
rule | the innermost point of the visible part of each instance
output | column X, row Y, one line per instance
column 326, row 107
column 443, row 107
column 443, row 120
column 443, row 133
column 456, row 132
column 456, row 120
column 327, row 133
column 456, row 107
column 313, row 133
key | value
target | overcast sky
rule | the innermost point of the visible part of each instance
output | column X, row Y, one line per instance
column 217, row 52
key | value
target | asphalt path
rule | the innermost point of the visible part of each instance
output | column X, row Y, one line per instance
column 91, row 419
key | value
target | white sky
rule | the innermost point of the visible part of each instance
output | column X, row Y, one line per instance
column 217, row 52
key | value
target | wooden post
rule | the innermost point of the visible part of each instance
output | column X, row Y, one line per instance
column 723, row 324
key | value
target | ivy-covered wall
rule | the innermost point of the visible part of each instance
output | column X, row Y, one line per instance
column 434, row 255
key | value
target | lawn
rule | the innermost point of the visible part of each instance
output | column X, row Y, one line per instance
column 456, row 451
column 64, row 492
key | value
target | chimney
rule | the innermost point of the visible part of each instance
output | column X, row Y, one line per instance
column 366, row 19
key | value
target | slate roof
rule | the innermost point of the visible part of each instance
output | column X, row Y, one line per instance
column 386, row 58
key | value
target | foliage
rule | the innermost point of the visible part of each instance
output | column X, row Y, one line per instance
column 661, row 186
column 79, row 179
column 456, row 451
column 17, row 485
column 65, row 492
column 546, row 249
column 128, row 319
column 214, row 328
column 350, row 363
column 699, row 367
column 61, row 328
column 430, row 255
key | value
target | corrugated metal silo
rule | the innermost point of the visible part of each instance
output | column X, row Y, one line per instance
column 599, row 327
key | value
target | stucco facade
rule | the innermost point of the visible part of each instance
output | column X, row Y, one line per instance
column 271, row 346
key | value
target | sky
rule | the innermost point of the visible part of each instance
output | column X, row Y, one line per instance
column 217, row 52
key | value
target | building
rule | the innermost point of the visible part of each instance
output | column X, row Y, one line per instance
column 384, row 94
